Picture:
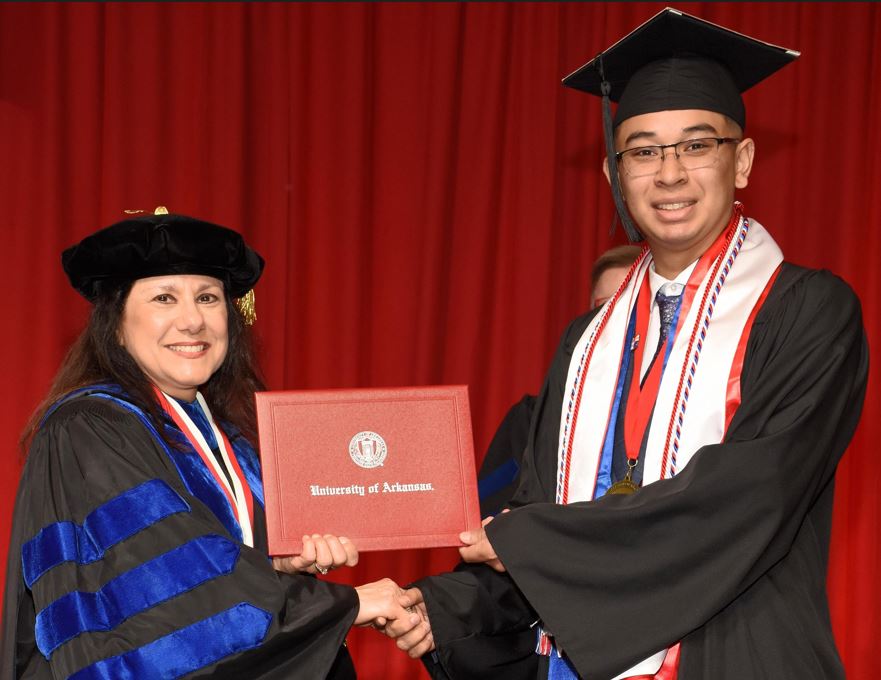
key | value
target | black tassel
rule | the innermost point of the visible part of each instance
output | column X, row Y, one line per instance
column 630, row 229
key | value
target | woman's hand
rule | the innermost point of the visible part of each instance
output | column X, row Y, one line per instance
column 382, row 601
column 396, row 612
column 320, row 555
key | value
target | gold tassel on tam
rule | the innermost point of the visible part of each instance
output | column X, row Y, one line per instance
column 247, row 308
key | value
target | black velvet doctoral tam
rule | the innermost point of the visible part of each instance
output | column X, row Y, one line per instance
column 156, row 245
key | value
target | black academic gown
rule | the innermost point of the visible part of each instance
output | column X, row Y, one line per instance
column 499, row 473
column 729, row 556
column 181, row 593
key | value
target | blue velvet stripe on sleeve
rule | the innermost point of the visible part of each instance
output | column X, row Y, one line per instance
column 250, row 464
column 116, row 520
column 162, row 578
column 234, row 630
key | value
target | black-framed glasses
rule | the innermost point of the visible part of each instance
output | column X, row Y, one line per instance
column 693, row 154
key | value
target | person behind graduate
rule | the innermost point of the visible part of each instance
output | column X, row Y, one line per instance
column 138, row 546
column 674, row 511
column 498, row 476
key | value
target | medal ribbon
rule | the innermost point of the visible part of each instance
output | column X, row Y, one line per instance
column 239, row 495
column 643, row 394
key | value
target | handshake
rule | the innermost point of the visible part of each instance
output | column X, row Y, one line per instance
column 400, row 614
column 383, row 605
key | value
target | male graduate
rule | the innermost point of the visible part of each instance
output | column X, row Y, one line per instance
column 674, row 513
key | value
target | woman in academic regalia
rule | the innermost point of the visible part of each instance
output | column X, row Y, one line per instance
column 138, row 547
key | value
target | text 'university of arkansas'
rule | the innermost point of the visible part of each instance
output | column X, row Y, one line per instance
column 361, row 490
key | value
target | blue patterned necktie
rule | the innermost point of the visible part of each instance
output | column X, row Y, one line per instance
column 667, row 305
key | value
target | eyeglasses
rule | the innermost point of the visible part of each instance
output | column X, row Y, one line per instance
column 693, row 154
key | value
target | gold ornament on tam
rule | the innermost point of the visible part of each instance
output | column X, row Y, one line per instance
column 247, row 308
column 160, row 210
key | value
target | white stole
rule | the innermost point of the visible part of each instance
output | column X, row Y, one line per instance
column 700, row 404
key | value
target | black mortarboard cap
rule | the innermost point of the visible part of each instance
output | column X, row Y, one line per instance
column 671, row 62
column 156, row 245
column 677, row 61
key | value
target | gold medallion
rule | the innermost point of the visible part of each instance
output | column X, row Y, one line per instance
column 625, row 486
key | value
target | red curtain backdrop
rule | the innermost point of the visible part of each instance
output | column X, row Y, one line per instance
column 427, row 195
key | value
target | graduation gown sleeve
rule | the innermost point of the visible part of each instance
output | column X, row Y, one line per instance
column 730, row 555
column 116, row 571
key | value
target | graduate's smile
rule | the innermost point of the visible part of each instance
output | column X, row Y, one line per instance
column 674, row 210
column 680, row 211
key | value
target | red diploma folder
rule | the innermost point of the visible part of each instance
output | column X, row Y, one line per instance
column 387, row 468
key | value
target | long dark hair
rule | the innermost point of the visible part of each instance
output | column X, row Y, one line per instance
column 97, row 357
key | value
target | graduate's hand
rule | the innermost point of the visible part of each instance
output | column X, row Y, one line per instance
column 415, row 640
column 478, row 547
column 320, row 555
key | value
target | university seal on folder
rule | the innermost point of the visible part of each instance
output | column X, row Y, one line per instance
column 388, row 468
